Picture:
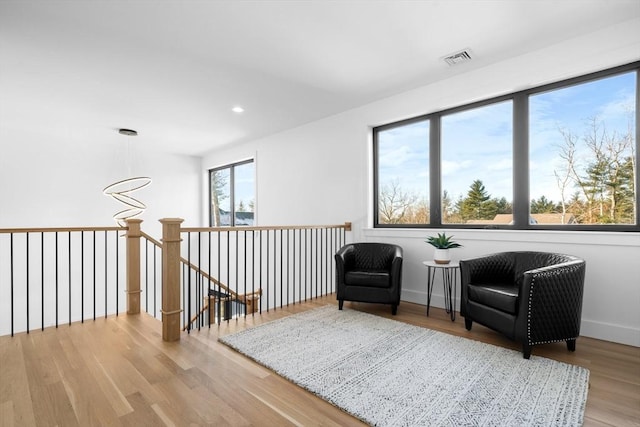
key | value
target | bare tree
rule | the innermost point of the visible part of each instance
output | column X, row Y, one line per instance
column 418, row 212
column 394, row 204
column 605, row 181
column 567, row 152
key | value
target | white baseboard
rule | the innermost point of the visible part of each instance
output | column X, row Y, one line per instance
column 588, row 328
column 421, row 298
column 610, row 332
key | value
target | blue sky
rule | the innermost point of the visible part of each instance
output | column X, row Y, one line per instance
column 477, row 144
column 610, row 100
column 245, row 184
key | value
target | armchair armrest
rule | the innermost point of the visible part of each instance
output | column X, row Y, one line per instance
column 551, row 302
column 344, row 259
column 345, row 256
column 396, row 269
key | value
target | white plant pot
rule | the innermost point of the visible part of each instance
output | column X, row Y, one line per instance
column 441, row 256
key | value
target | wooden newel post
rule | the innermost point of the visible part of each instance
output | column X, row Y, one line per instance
column 133, row 266
column 171, row 278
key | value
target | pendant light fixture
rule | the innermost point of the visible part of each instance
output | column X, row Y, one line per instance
column 121, row 190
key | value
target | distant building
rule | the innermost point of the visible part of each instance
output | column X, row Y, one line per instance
column 555, row 218
column 242, row 218
column 543, row 218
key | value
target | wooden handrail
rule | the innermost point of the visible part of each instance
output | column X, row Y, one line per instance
column 346, row 226
column 203, row 273
column 151, row 239
column 59, row 229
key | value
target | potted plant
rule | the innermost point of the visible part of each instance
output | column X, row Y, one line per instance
column 442, row 243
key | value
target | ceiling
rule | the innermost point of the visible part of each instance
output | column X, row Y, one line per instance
column 173, row 70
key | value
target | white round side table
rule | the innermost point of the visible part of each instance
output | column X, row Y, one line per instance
column 449, row 281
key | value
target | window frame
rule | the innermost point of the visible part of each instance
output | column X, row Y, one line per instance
column 232, row 206
column 521, row 200
column 376, row 164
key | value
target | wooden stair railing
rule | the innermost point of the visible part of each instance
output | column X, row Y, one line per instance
column 249, row 299
column 295, row 248
column 50, row 276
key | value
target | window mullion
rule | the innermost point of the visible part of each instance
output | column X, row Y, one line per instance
column 637, row 149
column 435, row 184
column 232, row 191
column 521, row 161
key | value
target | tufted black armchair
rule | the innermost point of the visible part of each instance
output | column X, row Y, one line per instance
column 531, row 297
column 369, row 272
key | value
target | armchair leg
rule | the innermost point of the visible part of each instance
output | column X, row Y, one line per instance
column 468, row 323
column 526, row 350
column 340, row 303
column 394, row 310
column 571, row 345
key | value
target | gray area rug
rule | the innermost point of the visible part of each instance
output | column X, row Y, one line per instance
column 388, row 373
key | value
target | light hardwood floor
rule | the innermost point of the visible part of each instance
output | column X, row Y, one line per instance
column 118, row 371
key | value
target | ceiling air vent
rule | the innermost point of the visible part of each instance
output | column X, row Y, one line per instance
column 458, row 57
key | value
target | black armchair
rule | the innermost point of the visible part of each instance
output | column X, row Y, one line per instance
column 531, row 297
column 369, row 272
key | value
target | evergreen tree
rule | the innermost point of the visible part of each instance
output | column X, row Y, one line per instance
column 624, row 203
column 219, row 192
column 502, row 206
column 542, row 205
column 477, row 204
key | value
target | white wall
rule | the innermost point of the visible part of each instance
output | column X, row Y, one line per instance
column 320, row 174
column 59, row 183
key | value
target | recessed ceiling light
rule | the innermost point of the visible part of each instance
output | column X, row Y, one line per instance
column 237, row 109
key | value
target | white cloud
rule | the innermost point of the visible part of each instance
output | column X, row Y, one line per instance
column 449, row 167
column 502, row 164
column 395, row 157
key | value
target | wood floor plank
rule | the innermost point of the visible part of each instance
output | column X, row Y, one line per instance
column 82, row 380
column 162, row 415
column 15, row 397
column 51, row 403
column 142, row 413
column 6, row 414
column 118, row 371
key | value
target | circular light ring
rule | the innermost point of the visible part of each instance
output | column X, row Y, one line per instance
column 121, row 217
column 127, row 213
column 135, row 183
column 120, row 191
column 128, row 201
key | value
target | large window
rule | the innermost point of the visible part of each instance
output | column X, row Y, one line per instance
column 403, row 174
column 562, row 156
column 477, row 164
column 232, row 193
column 582, row 158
